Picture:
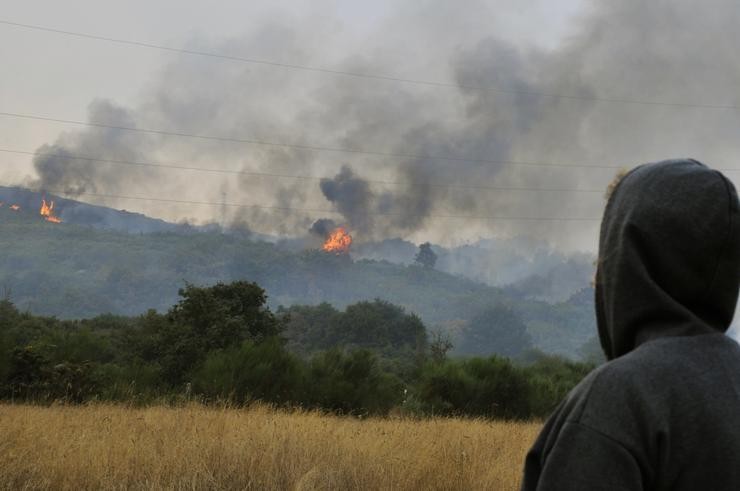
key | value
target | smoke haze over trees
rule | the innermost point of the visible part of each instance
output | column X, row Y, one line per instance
column 74, row 271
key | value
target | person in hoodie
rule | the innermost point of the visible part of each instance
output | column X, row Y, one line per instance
column 664, row 411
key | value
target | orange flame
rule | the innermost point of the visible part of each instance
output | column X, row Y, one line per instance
column 338, row 241
column 47, row 211
column 15, row 207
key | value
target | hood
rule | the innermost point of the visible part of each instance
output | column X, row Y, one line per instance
column 669, row 256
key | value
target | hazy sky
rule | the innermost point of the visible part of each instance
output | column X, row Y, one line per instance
column 617, row 51
column 54, row 75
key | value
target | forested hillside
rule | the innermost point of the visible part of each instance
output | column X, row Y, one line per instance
column 72, row 271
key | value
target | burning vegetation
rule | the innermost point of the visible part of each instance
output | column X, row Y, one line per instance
column 47, row 211
column 338, row 242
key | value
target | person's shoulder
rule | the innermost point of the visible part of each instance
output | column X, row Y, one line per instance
column 646, row 374
column 679, row 357
column 618, row 383
column 606, row 378
column 591, row 388
column 655, row 372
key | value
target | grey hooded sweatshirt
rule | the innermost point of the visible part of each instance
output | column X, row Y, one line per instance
column 664, row 412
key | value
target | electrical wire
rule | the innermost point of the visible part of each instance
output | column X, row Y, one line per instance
column 381, row 77
column 325, row 211
column 310, row 147
column 173, row 166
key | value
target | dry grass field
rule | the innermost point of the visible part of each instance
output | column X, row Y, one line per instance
column 195, row 447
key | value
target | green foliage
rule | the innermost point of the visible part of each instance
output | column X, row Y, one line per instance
column 206, row 319
column 378, row 325
column 551, row 378
column 310, row 328
column 133, row 382
column 27, row 374
column 224, row 315
column 32, row 377
column 352, row 383
column 264, row 371
column 439, row 347
column 222, row 342
column 397, row 338
column 490, row 387
column 74, row 272
column 71, row 382
column 497, row 330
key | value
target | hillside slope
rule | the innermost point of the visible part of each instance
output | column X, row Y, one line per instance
column 73, row 271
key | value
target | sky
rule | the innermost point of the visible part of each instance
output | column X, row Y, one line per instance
column 54, row 75
column 500, row 59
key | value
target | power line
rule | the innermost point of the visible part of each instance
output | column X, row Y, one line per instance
column 388, row 78
column 319, row 148
column 316, row 148
column 335, row 212
column 306, row 146
column 173, row 166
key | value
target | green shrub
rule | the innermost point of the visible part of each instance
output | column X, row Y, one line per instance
column 264, row 371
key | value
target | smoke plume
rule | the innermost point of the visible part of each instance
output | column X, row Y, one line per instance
column 61, row 170
column 323, row 227
column 425, row 156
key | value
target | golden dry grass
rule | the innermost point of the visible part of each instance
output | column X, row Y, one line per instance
column 195, row 447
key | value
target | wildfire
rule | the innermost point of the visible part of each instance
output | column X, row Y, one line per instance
column 47, row 211
column 338, row 241
column 15, row 207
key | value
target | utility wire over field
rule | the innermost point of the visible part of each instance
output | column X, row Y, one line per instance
column 182, row 167
column 336, row 212
column 372, row 76
column 300, row 146
column 312, row 147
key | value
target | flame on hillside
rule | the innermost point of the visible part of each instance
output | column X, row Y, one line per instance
column 15, row 207
column 338, row 241
column 47, row 211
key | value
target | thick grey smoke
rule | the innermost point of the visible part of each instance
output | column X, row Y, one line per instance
column 352, row 197
column 62, row 171
column 323, row 227
column 443, row 148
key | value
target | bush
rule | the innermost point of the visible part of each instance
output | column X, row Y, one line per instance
column 551, row 378
column 352, row 383
column 264, row 371
column 489, row 387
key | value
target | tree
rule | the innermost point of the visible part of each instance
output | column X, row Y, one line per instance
column 380, row 325
column 496, row 330
column 226, row 314
column 426, row 256
column 377, row 325
column 439, row 346
column 206, row 319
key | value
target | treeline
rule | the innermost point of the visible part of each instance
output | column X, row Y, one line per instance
column 223, row 343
